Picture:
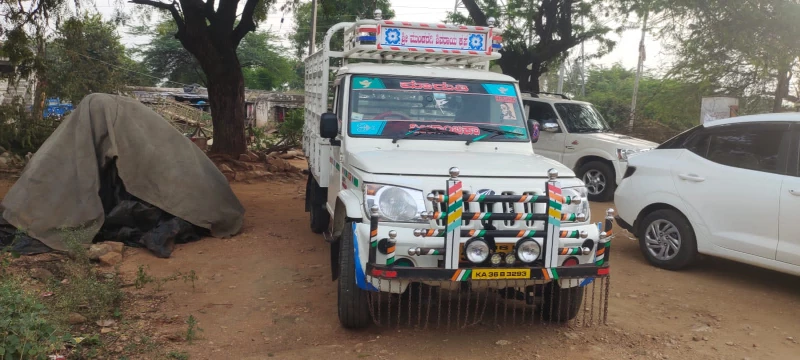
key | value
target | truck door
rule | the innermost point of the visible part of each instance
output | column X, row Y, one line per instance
column 335, row 182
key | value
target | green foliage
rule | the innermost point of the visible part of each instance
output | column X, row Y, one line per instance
column 329, row 13
column 710, row 47
column 671, row 102
column 86, row 291
column 178, row 355
column 263, row 66
column 25, row 331
column 22, row 133
column 538, row 34
column 292, row 127
column 192, row 329
column 87, row 57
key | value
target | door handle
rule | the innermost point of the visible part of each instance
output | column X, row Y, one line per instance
column 691, row 177
column 794, row 192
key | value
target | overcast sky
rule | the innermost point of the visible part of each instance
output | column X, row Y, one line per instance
column 435, row 11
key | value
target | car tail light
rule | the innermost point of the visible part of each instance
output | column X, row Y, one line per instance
column 571, row 261
column 629, row 171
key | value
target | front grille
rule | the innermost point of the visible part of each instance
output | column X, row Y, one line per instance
column 506, row 208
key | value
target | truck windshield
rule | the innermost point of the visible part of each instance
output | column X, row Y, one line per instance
column 388, row 107
column 581, row 118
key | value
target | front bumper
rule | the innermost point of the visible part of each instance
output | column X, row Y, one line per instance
column 483, row 274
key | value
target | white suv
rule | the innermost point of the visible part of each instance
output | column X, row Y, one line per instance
column 729, row 189
column 575, row 134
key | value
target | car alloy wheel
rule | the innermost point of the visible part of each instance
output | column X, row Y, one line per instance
column 595, row 181
column 663, row 240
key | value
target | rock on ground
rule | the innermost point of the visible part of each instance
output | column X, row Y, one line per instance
column 111, row 259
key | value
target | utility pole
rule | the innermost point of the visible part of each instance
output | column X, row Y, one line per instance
column 639, row 68
column 583, row 66
column 561, row 78
column 313, row 44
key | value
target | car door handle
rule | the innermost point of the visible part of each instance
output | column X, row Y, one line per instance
column 794, row 192
column 691, row 177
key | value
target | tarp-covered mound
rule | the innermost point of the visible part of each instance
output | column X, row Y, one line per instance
column 119, row 171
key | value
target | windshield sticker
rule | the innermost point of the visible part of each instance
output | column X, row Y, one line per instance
column 516, row 130
column 443, row 86
column 370, row 127
column 500, row 89
column 458, row 129
column 357, row 116
column 508, row 111
column 367, row 83
column 505, row 99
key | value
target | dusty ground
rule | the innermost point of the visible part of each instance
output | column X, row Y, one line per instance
column 267, row 294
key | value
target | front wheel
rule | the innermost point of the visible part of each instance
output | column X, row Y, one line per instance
column 667, row 240
column 599, row 179
column 561, row 305
column 352, row 300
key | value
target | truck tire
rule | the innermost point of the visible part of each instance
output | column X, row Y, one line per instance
column 599, row 179
column 352, row 300
column 318, row 214
column 667, row 228
column 561, row 305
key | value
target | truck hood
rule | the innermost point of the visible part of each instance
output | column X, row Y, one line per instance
column 438, row 163
column 624, row 141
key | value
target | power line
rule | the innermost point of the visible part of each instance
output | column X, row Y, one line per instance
column 122, row 68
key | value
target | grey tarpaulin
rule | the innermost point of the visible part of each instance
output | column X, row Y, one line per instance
column 110, row 137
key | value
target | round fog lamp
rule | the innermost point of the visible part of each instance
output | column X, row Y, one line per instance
column 496, row 258
column 510, row 259
column 477, row 250
column 528, row 250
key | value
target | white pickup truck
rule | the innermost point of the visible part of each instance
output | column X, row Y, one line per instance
column 576, row 135
column 424, row 174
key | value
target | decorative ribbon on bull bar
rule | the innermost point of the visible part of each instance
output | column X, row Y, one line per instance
column 552, row 240
column 604, row 245
column 455, row 208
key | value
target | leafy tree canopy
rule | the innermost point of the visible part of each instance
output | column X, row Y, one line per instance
column 86, row 56
column 263, row 65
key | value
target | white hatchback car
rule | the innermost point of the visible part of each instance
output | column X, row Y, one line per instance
column 729, row 189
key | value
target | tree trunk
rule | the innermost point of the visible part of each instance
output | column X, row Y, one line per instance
column 226, row 97
column 782, row 89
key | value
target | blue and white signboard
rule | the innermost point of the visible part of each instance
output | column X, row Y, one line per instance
column 433, row 39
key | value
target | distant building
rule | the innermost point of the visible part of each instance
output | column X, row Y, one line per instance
column 264, row 108
column 22, row 88
column 267, row 108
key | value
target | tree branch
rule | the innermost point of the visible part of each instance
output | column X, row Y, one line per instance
column 176, row 15
column 475, row 12
column 246, row 24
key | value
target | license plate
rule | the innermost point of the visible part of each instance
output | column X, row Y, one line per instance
column 497, row 274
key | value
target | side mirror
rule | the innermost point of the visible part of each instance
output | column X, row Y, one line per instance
column 533, row 126
column 550, row 127
column 328, row 126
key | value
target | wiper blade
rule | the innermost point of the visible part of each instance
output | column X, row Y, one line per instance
column 494, row 132
column 419, row 131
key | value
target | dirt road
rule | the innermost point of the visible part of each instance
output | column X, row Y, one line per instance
column 267, row 293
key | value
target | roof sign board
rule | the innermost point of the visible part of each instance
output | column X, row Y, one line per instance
column 434, row 39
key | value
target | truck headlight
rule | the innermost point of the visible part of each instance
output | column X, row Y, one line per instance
column 395, row 204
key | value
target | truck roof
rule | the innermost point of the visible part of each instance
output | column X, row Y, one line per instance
column 423, row 71
column 551, row 99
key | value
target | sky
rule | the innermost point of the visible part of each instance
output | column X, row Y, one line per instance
column 626, row 50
